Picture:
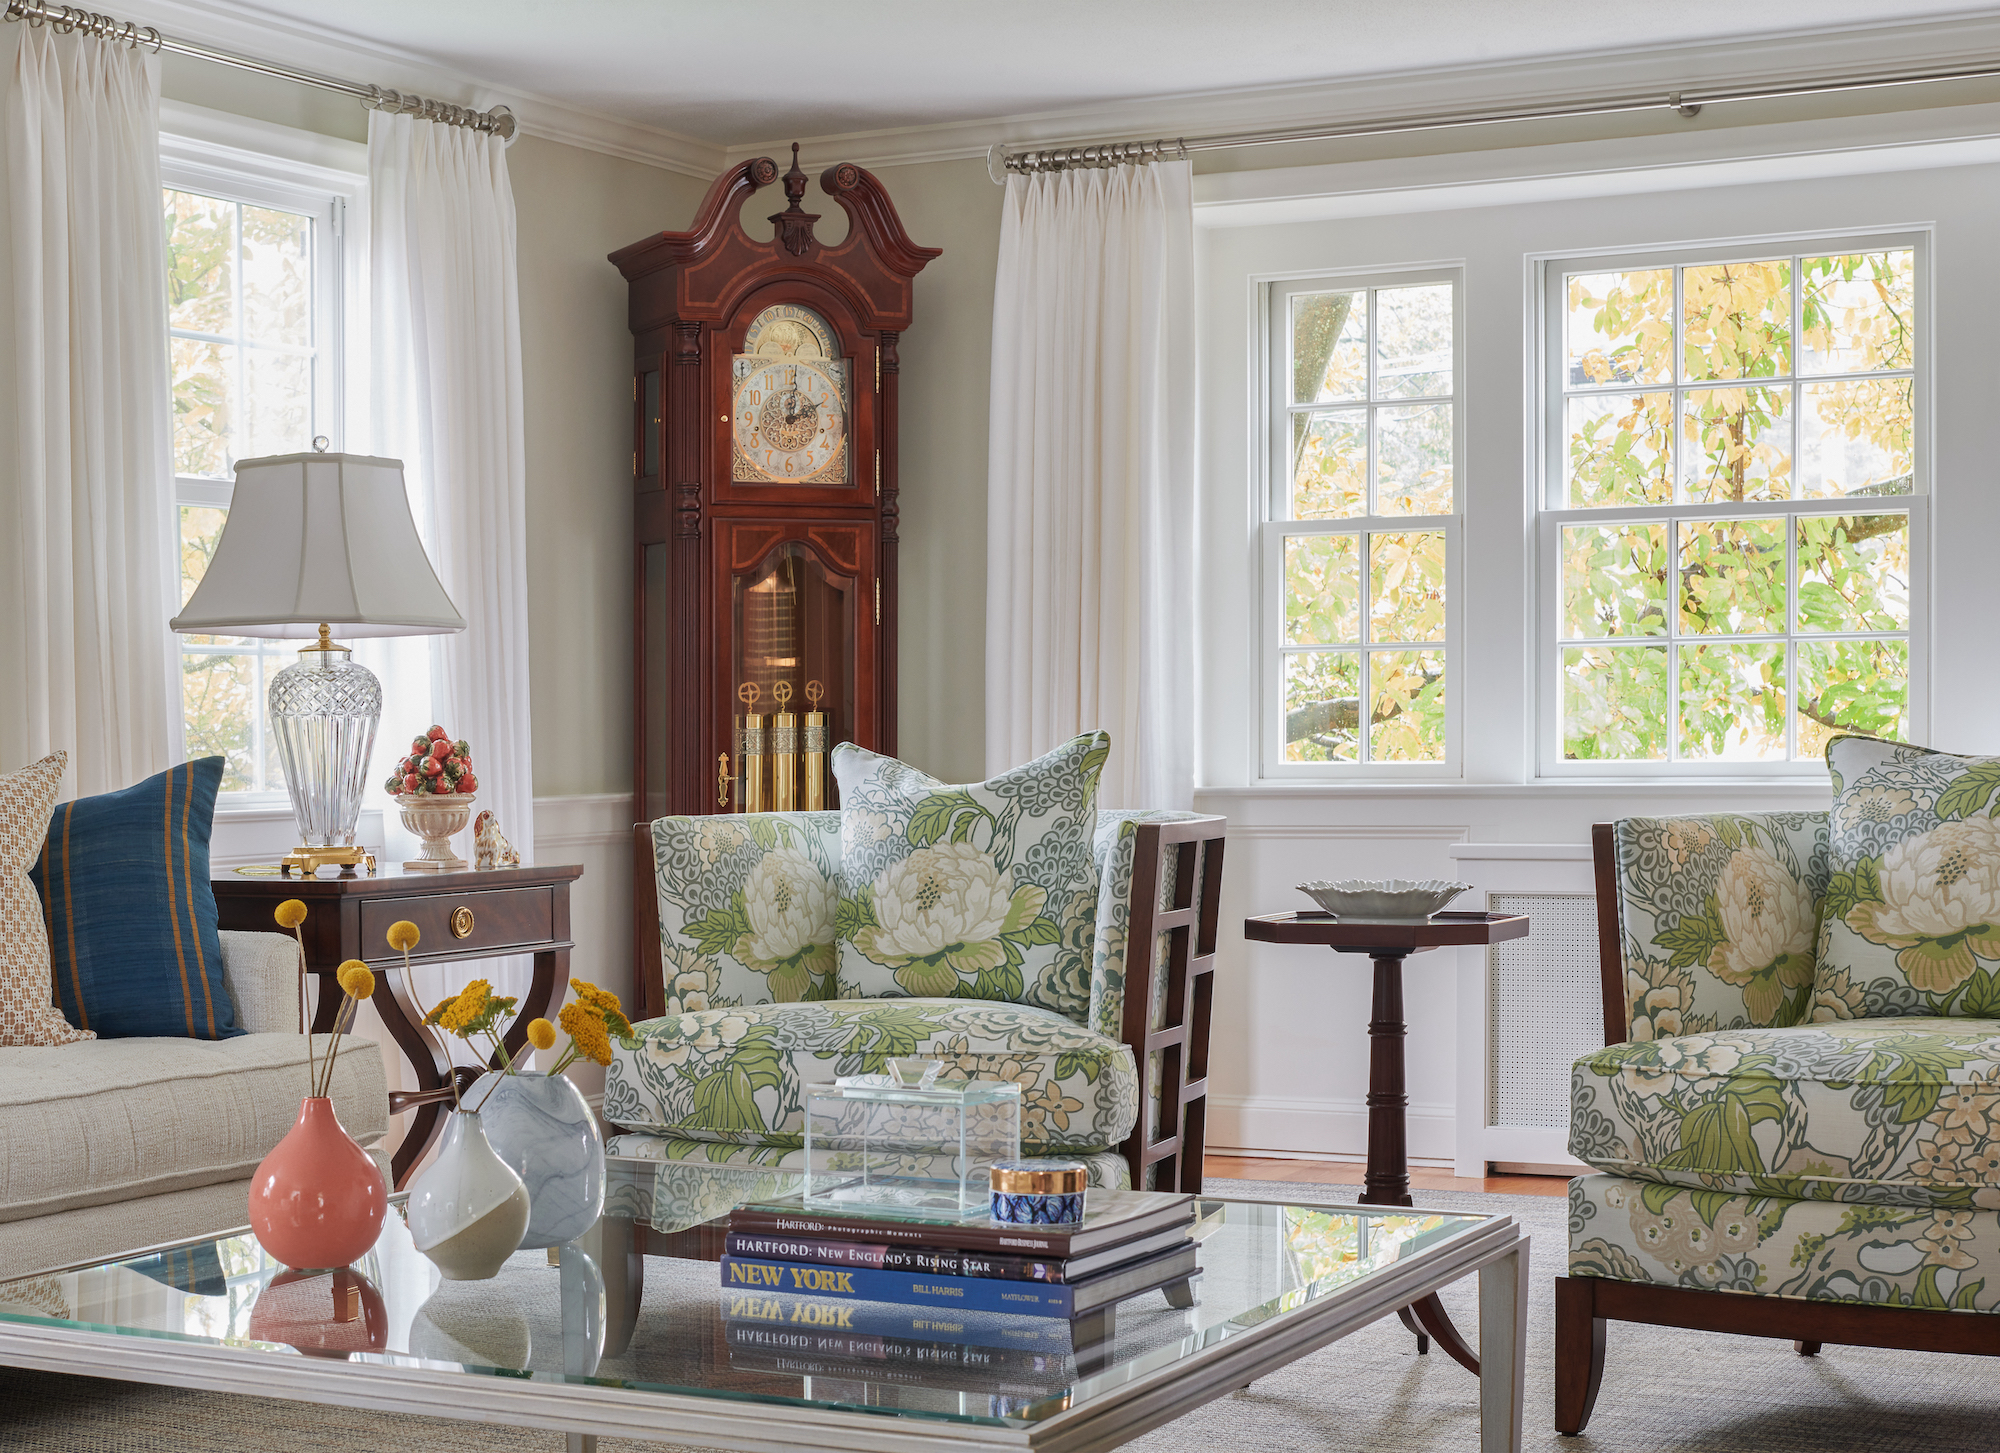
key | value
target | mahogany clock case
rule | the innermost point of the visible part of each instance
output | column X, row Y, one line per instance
column 764, row 461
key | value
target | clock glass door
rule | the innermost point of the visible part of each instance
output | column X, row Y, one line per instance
column 792, row 677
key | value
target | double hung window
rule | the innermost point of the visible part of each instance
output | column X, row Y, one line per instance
column 253, row 313
column 1361, row 526
column 1733, row 523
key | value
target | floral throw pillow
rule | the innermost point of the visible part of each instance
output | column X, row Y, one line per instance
column 1912, row 917
column 978, row 891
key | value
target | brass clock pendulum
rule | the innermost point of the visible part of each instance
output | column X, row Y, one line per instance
column 812, row 747
column 784, row 751
column 750, row 750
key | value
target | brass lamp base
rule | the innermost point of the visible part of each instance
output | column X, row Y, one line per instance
column 309, row 860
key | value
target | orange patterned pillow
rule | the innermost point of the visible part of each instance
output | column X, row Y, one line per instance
column 28, row 1013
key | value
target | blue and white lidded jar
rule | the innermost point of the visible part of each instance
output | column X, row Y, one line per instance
column 1039, row 1192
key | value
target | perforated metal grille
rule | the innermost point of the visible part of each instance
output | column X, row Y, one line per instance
column 1543, row 1008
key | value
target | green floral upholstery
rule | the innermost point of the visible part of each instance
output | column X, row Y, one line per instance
column 1912, row 922
column 735, row 1075
column 985, row 890
column 1718, row 918
column 697, row 1181
column 747, row 907
column 1928, row 1257
column 1897, row 1110
column 1111, row 849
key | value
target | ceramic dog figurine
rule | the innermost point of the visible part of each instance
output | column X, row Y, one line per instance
column 490, row 848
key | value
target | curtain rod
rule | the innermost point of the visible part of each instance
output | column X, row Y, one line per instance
column 1000, row 160
column 66, row 18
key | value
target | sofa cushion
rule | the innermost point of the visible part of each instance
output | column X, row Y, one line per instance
column 747, row 907
column 132, row 924
column 736, row 1075
column 986, row 890
column 113, row 1119
column 700, row 1180
column 1912, row 918
column 1890, row 1256
column 28, row 1013
column 1899, row 1111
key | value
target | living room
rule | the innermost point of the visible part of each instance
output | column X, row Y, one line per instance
column 1161, row 430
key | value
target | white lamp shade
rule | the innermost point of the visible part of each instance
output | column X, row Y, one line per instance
column 319, row 537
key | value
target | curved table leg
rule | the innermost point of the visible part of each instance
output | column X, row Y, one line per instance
column 1430, row 1314
column 1409, row 1319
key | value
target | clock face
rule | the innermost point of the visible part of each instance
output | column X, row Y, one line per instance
column 789, row 394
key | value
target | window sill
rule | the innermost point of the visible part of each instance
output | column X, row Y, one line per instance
column 1805, row 790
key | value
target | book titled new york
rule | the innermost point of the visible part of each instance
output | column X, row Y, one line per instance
column 911, row 1326
column 945, row 1261
column 964, row 1293
column 1109, row 1218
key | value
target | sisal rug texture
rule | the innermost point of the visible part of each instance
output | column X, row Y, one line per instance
column 1665, row 1391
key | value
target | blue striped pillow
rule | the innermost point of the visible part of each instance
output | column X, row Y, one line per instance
column 131, row 915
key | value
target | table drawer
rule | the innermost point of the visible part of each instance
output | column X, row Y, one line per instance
column 456, row 923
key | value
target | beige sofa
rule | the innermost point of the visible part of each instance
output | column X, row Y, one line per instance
column 115, row 1145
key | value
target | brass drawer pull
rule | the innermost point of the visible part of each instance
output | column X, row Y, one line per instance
column 461, row 922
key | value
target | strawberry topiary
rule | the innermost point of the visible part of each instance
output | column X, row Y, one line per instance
column 437, row 765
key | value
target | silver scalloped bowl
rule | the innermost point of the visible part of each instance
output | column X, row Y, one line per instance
column 1398, row 900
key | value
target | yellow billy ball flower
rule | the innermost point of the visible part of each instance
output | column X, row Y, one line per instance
column 541, row 1034
column 356, row 978
column 403, row 935
column 291, row 913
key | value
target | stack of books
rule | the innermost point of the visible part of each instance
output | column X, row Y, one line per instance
column 888, row 1281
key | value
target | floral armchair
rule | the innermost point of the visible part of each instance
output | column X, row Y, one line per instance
column 1766, row 1162
column 741, row 1004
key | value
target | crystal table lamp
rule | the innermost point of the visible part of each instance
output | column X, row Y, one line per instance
column 314, row 541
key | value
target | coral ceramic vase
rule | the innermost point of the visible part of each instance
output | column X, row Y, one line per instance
column 468, row 1210
column 318, row 1199
column 542, row 1126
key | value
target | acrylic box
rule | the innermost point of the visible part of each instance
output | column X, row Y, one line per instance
column 918, row 1152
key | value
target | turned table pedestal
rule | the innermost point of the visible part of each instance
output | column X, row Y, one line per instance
column 1387, row 1182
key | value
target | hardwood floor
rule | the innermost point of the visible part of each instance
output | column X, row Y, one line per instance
column 1348, row 1173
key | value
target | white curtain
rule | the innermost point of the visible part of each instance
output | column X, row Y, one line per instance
column 1090, row 477
column 445, row 331
column 87, row 575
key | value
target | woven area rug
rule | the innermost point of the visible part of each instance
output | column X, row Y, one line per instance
column 1665, row 1391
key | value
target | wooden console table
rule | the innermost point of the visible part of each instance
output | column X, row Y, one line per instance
column 1387, row 1182
column 477, row 914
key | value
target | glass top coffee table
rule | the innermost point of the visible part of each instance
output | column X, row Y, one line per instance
column 610, row 1342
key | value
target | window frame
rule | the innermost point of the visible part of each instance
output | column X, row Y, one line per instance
column 1547, row 486
column 1272, row 494
column 331, row 198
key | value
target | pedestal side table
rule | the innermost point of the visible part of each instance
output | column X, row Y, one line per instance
column 477, row 914
column 1387, row 1182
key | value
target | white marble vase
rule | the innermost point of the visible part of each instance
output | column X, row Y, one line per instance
column 469, row 1209
column 543, row 1128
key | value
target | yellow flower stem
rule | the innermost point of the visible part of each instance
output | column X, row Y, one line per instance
column 312, row 1068
column 343, row 1020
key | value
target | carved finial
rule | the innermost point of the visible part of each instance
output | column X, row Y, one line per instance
column 795, row 224
column 748, row 693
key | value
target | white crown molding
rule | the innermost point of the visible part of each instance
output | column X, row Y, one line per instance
column 1770, row 59
column 600, row 819
column 227, row 25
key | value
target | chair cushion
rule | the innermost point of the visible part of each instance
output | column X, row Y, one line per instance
column 28, row 1013
column 736, row 1075
column 699, row 1180
column 1891, row 1256
column 986, row 890
column 747, row 907
column 132, row 924
column 114, row 1119
column 1897, row 1111
column 1912, row 917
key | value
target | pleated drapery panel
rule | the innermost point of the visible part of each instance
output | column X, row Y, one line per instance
column 1090, row 477
column 87, row 565
column 446, row 399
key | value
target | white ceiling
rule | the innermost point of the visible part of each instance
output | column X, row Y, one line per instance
column 735, row 73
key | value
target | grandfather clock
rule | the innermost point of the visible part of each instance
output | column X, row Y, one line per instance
column 764, row 512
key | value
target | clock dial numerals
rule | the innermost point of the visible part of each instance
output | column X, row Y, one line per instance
column 789, row 386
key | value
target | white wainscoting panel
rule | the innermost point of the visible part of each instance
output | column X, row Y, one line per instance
column 1532, row 1011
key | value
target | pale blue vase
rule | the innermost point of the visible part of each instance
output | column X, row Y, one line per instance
column 542, row 1126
